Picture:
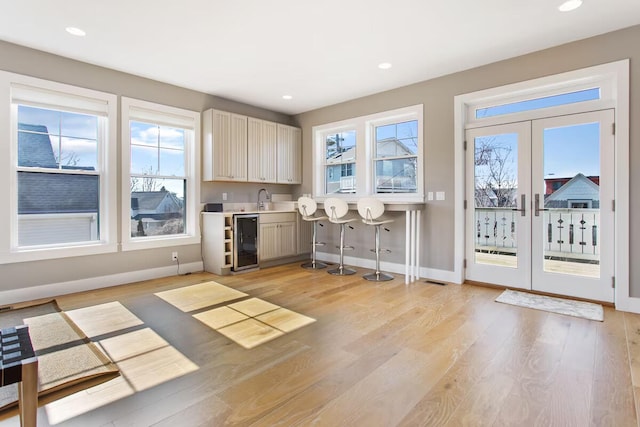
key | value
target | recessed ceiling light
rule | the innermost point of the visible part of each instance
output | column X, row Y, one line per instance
column 287, row 97
column 570, row 5
column 384, row 65
column 76, row 31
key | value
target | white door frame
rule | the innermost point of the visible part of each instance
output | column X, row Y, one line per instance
column 612, row 76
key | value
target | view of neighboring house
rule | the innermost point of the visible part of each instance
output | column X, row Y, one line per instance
column 395, row 168
column 152, row 212
column 579, row 192
column 52, row 207
column 341, row 171
column 397, row 176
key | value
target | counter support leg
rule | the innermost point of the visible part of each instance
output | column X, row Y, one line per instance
column 407, row 245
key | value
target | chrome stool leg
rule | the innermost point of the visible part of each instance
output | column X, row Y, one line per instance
column 314, row 264
column 341, row 270
column 378, row 276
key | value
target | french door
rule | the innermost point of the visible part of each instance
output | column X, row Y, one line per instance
column 540, row 205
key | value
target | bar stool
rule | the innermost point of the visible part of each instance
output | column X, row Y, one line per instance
column 336, row 209
column 370, row 209
column 307, row 208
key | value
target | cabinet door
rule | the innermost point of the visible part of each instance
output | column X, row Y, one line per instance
column 288, row 239
column 216, row 132
column 237, row 157
column 269, row 245
column 224, row 152
column 289, row 155
column 262, row 146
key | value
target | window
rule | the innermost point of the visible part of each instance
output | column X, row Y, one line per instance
column 62, row 188
column 340, row 159
column 378, row 154
column 396, row 157
column 161, row 188
column 539, row 102
column 58, row 177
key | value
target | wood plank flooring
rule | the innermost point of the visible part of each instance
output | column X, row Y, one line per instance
column 379, row 354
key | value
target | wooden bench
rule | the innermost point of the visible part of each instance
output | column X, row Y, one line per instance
column 19, row 364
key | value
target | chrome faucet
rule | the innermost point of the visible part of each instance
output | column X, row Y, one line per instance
column 260, row 202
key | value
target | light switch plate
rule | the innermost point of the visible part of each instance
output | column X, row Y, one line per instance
column 430, row 195
column 439, row 195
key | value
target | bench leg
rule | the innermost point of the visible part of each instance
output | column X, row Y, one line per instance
column 28, row 394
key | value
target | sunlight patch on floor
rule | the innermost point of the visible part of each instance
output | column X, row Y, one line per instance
column 196, row 297
column 253, row 322
column 144, row 359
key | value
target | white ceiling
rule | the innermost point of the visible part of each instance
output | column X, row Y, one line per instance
column 321, row 52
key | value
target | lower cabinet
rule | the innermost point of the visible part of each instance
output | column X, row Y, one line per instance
column 278, row 235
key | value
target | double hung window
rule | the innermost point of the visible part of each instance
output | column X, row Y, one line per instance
column 380, row 155
column 160, row 191
column 61, row 188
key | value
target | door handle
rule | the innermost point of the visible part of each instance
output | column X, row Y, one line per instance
column 523, row 204
column 536, row 205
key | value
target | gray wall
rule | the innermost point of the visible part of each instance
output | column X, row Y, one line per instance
column 437, row 95
column 18, row 59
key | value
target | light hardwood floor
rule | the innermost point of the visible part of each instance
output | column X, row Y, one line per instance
column 378, row 355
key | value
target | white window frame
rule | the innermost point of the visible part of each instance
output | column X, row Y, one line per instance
column 365, row 149
column 149, row 112
column 47, row 94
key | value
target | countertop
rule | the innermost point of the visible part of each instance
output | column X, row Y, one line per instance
column 235, row 212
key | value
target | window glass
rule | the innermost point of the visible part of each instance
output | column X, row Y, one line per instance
column 340, row 158
column 157, row 180
column 57, row 139
column 398, row 139
column 63, row 205
column 537, row 103
column 396, row 162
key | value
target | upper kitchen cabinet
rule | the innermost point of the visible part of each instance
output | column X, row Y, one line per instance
column 224, row 152
column 289, row 155
column 262, row 146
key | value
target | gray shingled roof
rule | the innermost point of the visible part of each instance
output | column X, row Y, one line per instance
column 34, row 149
column 57, row 193
column 148, row 200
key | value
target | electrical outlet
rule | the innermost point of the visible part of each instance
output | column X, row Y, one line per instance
column 224, row 197
column 174, row 256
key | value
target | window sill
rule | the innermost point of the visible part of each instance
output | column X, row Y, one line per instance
column 160, row 242
column 41, row 254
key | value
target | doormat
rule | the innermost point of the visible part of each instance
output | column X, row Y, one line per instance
column 585, row 310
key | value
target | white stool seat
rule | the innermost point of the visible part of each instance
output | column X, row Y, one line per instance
column 337, row 209
column 370, row 209
column 307, row 208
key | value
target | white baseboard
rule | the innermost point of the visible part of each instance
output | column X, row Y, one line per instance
column 630, row 304
column 390, row 267
column 55, row 289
